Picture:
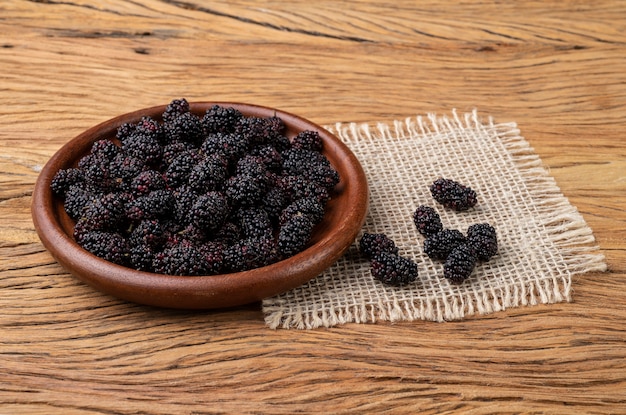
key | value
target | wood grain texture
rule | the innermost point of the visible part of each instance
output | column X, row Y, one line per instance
column 555, row 68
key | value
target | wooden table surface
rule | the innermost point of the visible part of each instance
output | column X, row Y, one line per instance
column 557, row 68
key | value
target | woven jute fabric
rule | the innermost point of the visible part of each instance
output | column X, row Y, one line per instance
column 543, row 239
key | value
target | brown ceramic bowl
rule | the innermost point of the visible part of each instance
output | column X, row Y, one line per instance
column 344, row 217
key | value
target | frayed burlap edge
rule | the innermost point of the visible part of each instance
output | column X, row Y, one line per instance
column 562, row 225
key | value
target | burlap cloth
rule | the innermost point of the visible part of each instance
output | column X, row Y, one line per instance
column 543, row 240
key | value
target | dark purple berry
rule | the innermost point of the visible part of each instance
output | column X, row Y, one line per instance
column 254, row 222
column 310, row 207
column 243, row 190
column 184, row 127
column 231, row 146
column 156, row 204
column 209, row 211
column 460, row 264
column 147, row 181
column 439, row 245
column 181, row 259
column 427, row 221
column 308, row 140
column 372, row 244
column 452, row 194
column 209, row 174
column 393, row 269
column 175, row 108
column 64, row 179
column 218, row 119
column 483, row 239
column 110, row 246
column 77, row 197
column 143, row 147
column 294, row 235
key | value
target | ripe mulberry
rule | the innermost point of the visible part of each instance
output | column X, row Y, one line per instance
column 175, row 108
column 483, row 239
column 460, row 264
column 210, row 211
column 64, row 179
column 181, row 259
column 243, row 190
column 372, row 244
column 427, row 221
column 307, row 206
column 184, row 127
column 439, row 245
column 308, row 140
column 110, row 246
column 294, row 235
column 393, row 269
column 156, row 204
column 254, row 222
column 453, row 195
column 218, row 119
column 147, row 181
column 209, row 174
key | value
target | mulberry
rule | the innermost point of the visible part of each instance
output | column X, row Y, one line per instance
column 453, row 195
column 254, row 222
column 483, row 239
column 231, row 146
column 294, row 235
column 184, row 127
column 427, row 221
column 147, row 181
column 156, row 204
column 64, row 179
column 209, row 174
column 269, row 155
column 143, row 147
column 105, row 149
column 210, row 211
column 372, row 244
column 175, row 108
column 180, row 169
column 181, row 259
column 218, row 119
column 77, row 198
column 460, row 264
column 308, row 140
column 110, row 246
column 439, row 245
column 307, row 206
column 213, row 253
column 299, row 187
column 393, row 269
column 243, row 190
column 141, row 257
column 148, row 232
column 123, row 169
column 106, row 212
column 250, row 253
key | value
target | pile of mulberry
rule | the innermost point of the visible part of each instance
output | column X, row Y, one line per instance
column 198, row 194
column 460, row 252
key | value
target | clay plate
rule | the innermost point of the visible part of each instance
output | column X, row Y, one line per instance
column 344, row 217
